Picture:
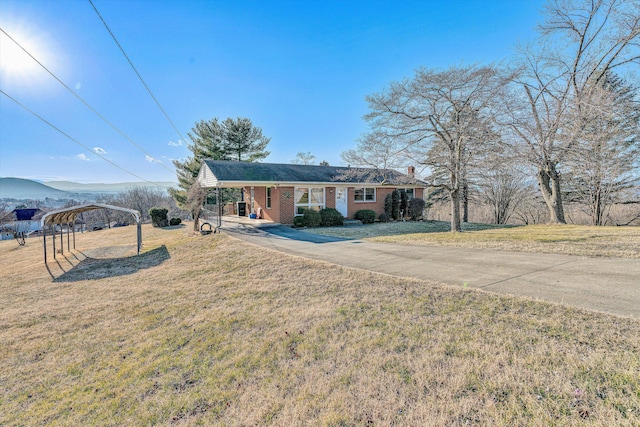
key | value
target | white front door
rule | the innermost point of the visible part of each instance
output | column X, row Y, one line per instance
column 341, row 200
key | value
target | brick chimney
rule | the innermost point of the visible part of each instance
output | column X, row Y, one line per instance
column 411, row 171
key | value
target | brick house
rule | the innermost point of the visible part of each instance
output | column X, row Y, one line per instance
column 279, row 192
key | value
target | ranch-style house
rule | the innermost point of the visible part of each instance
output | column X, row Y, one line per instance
column 279, row 192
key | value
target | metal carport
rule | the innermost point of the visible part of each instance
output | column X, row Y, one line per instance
column 68, row 216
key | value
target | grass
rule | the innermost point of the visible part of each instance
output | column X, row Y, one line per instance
column 200, row 331
column 395, row 228
column 619, row 242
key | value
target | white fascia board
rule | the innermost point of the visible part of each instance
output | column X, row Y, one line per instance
column 239, row 184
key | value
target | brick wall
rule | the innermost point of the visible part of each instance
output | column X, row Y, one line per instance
column 283, row 204
column 377, row 206
column 260, row 202
column 330, row 197
column 286, row 204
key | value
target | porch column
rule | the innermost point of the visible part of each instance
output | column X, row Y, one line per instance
column 251, row 201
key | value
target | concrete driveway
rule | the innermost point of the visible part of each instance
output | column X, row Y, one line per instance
column 608, row 285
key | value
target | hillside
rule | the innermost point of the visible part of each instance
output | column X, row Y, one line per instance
column 251, row 336
column 18, row 188
column 113, row 188
column 23, row 189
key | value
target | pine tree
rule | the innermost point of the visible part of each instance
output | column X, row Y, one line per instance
column 243, row 141
column 214, row 140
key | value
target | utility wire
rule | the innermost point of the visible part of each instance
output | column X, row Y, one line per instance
column 85, row 103
column 136, row 71
column 75, row 140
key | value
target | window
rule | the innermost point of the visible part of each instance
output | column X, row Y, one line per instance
column 364, row 195
column 410, row 192
column 268, row 198
column 308, row 198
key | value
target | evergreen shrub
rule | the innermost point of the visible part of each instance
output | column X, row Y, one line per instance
column 395, row 204
column 416, row 208
column 330, row 217
column 159, row 217
column 404, row 200
column 311, row 218
column 387, row 205
column 367, row 216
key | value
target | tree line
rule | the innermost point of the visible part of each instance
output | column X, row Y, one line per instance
column 564, row 113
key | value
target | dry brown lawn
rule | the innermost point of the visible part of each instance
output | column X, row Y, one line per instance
column 208, row 330
column 618, row 242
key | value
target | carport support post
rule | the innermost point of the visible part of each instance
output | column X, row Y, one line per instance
column 68, row 239
column 53, row 235
column 74, row 234
column 139, row 237
column 220, row 207
column 44, row 240
column 61, row 240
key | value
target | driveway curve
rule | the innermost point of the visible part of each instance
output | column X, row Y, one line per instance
column 610, row 285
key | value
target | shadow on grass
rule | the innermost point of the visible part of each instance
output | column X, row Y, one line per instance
column 399, row 227
column 281, row 232
column 92, row 268
column 172, row 227
column 301, row 235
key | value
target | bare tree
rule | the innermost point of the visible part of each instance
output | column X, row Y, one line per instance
column 532, row 209
column 607, row 159
column 6, row 214
column 630, row 210
column 196, row 198
column 144, row 198
column 442, row 117
column 378, row 151
column 304, row 158
column 582, row 40
column 504, row 190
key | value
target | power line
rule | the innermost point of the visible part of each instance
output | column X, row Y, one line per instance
column 75, row 140
column 84, row 102
column 136, row 71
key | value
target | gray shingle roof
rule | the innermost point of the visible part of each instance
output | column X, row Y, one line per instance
column 290, row 173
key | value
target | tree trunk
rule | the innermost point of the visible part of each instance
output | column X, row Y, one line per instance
column 549, row 182
column 597, row 208
column 196, row 218
column 454, row 195
column 465, row 201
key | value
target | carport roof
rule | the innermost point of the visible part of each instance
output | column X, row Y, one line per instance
column 223, row 173
column 67, row 215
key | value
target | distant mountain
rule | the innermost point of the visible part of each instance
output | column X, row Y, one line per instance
column 18, row 188
column 76, row 187
column 24, row 189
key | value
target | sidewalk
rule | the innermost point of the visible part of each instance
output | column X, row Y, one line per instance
column 608, row 285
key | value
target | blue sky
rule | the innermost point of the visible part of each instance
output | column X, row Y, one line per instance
column 300, row 70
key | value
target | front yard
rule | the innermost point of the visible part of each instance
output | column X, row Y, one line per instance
column 195, row 332
column 619, row 242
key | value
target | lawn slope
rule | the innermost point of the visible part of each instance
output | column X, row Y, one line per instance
column 208, row 330
column 617, row 242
